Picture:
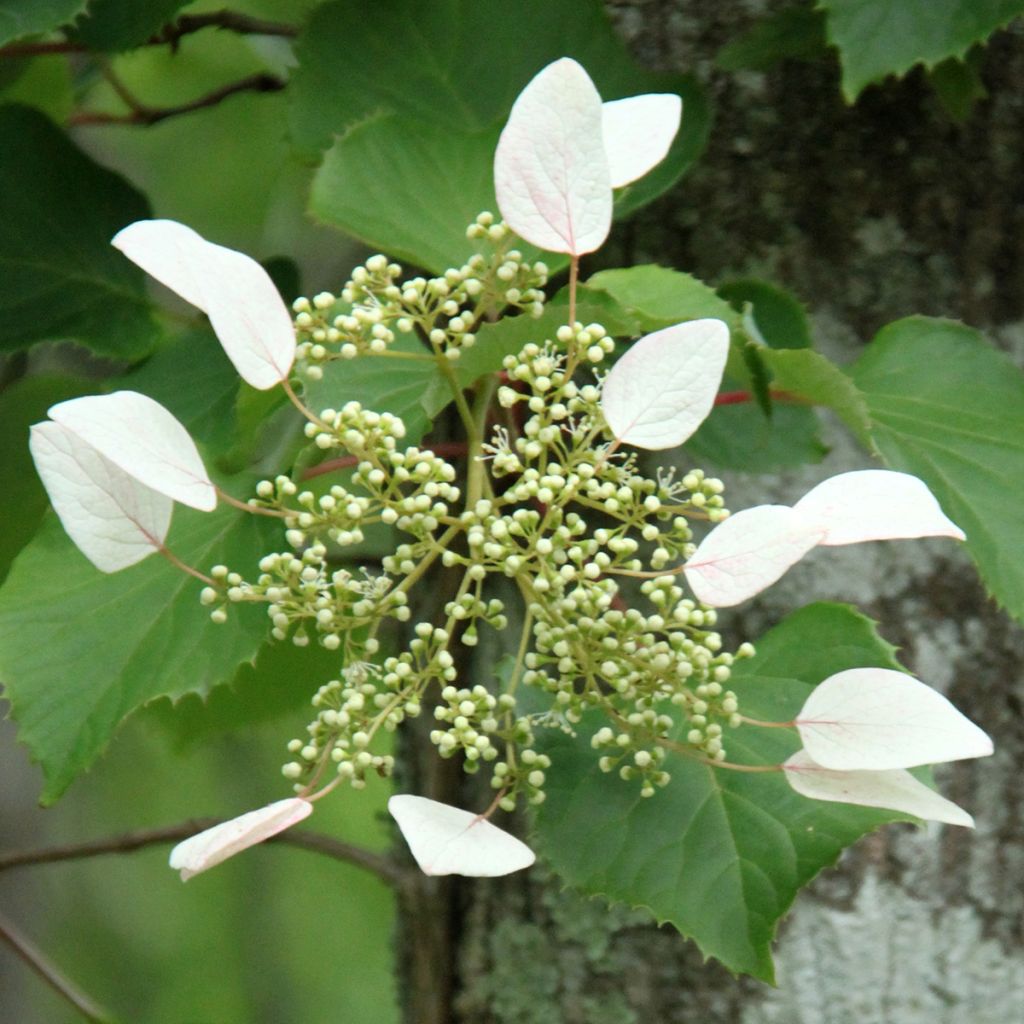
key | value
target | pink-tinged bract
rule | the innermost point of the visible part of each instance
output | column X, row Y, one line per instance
column 114, row 520
column 144, row 440
column 638, row 132
column 877, row 719
column 746, row 553
column 875, row 504
column 209, row 848
column 895, row 790
column 236, row 293
column 550, row 170
column 446, row 840
column 663, row 388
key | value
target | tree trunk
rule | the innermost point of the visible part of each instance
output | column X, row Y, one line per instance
column 867, row 213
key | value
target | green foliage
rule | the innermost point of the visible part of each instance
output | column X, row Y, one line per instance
column 949, row 408
column 19, row 18
column 59, row 276
column 24, row 501
column 114, row 25
column 448, row 73
column 795, row 33
column 719, row 854
column 775, row 316
column 811, row 376
column 877, row 38
column 407, row 188
column 79, row 650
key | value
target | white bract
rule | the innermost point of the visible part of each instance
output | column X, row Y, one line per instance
column 114, row 520
column 895, row 790
column 144, row 440
column 216, row 844
column 735, row 562
column 878, row 719
column 234, row 291
column 113, row 465
column 562, row 152
column 662, row 389
column 446, row 840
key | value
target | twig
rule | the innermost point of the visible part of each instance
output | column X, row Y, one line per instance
column 142, row 114
column 127, row 842
column 53, row 977
column 170, row 34
column 739, row 397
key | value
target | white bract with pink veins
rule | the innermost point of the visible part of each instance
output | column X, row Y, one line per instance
column 209, row 848
column 751, row 550
column 447, row 840
column 562, row 152
column 861, row 728
column 245, row 310
column 113, row 465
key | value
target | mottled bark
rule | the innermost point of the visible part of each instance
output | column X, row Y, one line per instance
column 867, row 213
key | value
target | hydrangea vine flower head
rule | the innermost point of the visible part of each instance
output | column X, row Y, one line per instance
column 113, row 466
column 245, row 310
column 562, row 152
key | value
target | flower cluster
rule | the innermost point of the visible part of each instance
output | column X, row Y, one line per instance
column 553, row 498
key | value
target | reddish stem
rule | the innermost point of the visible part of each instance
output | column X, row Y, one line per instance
column 739, row 397
column 446, row 449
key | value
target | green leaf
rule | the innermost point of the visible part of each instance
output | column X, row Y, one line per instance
column 742, row 437
column 114, row 25
column 719, row 854
column 449, row 71
column 795, row 33
column 59, row 275
column 779, row 317
column 395, row 383
column 24, row 501
column 19, row 18
column 809, row 375
column 80, row 650
column 280, row 679
column 657, row 297
column 949, row 408
column 877, row 38
column 408, row 189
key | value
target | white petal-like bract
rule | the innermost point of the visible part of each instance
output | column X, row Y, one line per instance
column 895, row 790
column 216, row 844
column 662, row 389
column 550, row 170
column 748, row 552
column 876, row 719
column 236, row 293
column 446, row 840
column 875, row 504
column 143, row 439
column 113, row 519
column 638, row 132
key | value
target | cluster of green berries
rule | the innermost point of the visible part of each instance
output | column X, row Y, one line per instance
column 555, row 507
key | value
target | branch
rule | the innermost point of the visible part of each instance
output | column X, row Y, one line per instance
column 145, row 115
column 53, row 977
column 231, row 21
column 127, row 842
